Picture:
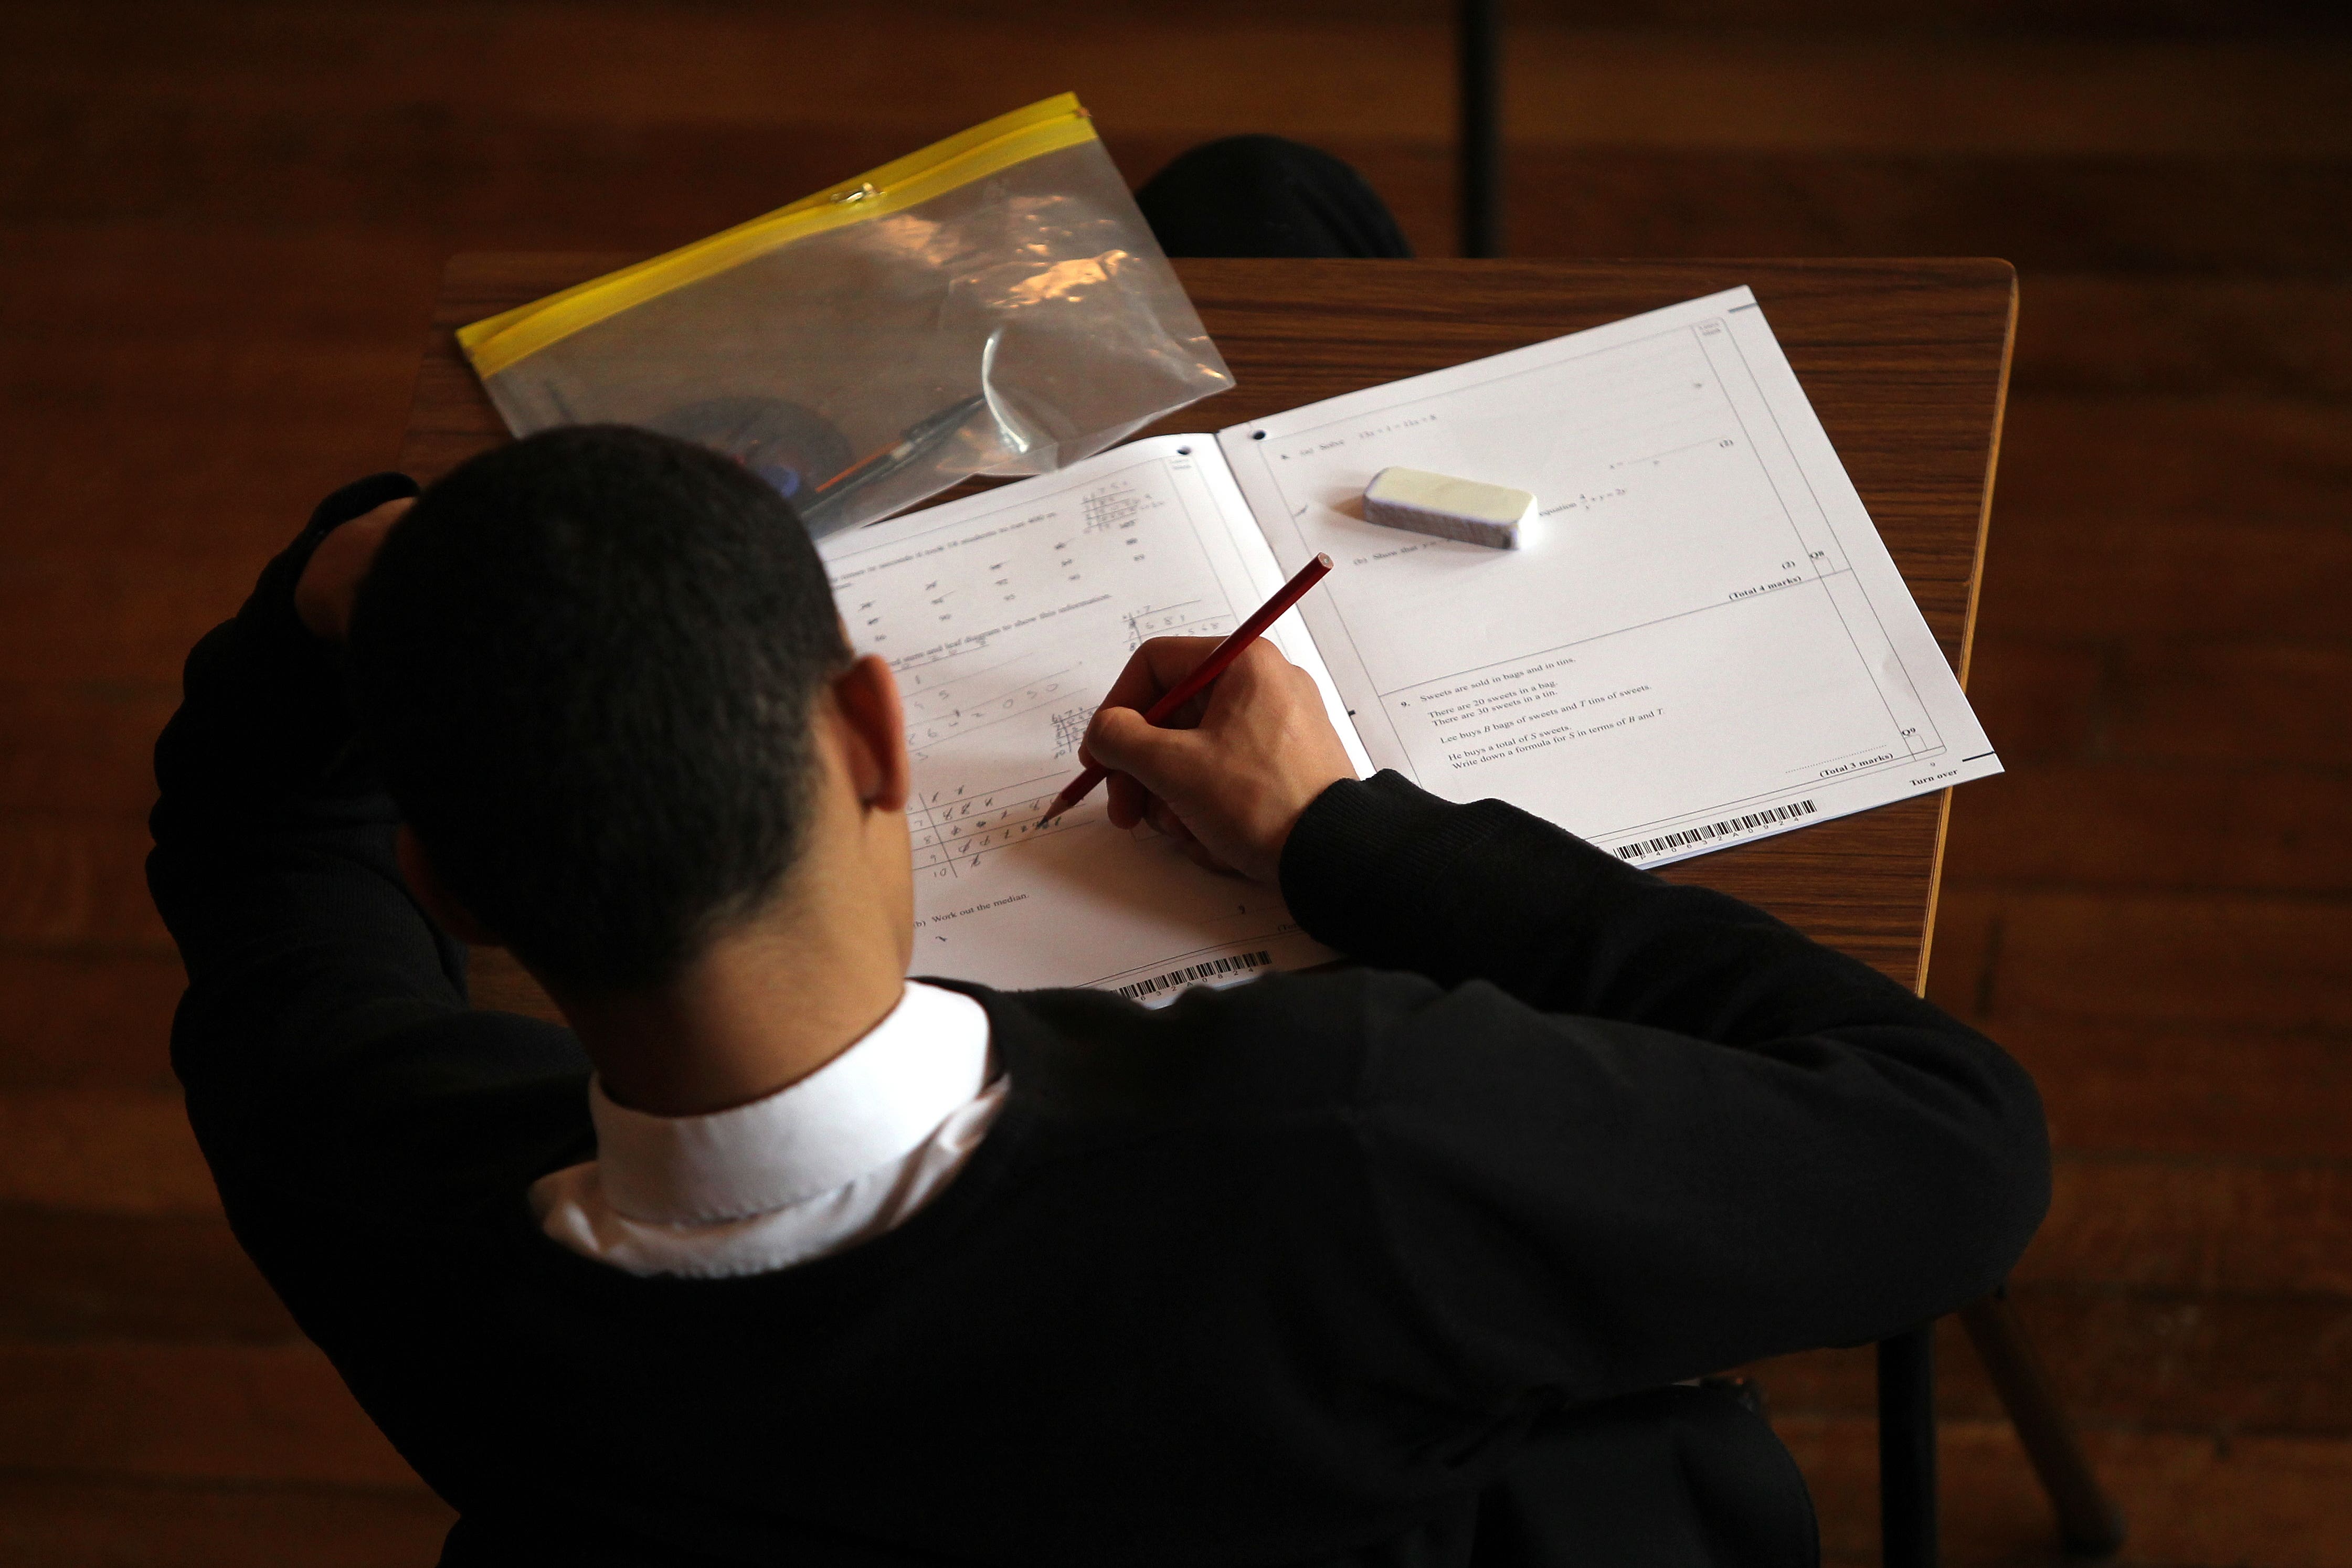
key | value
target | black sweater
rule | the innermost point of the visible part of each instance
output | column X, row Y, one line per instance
column 1272, row 1275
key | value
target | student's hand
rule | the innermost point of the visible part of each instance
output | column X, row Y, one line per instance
column 1230, row 774
column 322, row 595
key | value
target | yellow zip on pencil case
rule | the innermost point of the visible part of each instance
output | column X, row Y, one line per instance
column 993, row 303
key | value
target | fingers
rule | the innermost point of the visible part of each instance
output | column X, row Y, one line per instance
column 1146, row 765
column 1166, row 823
column 1131, row 802
column 1158, row 759
column 363, row 534
column 323, row 595
column 1227, row 788
column 1128, row 800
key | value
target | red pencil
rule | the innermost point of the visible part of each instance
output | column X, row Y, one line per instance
column 1207, row 670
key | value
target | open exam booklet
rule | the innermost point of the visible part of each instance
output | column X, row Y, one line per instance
column 1702, row 642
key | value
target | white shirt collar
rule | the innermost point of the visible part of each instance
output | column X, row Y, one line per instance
column 873, row 1104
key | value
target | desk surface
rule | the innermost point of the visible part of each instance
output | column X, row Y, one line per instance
column 1906, row 363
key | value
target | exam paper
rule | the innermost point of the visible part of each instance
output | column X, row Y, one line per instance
column 1703, row 639
column 1006, row 617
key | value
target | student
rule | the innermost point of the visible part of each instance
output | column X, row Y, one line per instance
column 1267, row 196
column 776, row 1256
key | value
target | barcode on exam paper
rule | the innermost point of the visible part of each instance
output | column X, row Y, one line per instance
column 1729, row 827
column 1185, row 976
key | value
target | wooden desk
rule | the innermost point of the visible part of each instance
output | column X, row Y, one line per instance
column 1907, row 363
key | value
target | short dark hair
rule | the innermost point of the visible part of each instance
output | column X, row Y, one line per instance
column 586, row 662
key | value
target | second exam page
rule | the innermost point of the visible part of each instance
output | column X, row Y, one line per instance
column 1704, row 639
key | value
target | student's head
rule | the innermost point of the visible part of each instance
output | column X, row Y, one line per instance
column 588, row 663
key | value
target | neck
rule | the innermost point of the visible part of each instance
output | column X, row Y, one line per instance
column 784, row 992
column 767, row 1003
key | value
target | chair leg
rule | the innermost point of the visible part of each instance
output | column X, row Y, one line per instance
column 1906, row 1448
column 2088, row 1520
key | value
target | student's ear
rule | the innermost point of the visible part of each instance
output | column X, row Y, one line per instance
column 866, row 694
column 426, row 886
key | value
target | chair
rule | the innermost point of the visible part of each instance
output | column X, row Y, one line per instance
column 2089, row 1523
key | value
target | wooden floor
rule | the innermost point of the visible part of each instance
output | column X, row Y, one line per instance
column 220, row 228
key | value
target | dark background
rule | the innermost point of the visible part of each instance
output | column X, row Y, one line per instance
column 221, row 227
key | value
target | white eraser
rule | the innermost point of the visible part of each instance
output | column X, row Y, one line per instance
column 1450, row 507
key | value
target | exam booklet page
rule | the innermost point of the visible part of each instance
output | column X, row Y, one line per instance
column 1006, row 617
column 1703, row 639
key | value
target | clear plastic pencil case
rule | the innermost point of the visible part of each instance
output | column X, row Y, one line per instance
column 994, row 303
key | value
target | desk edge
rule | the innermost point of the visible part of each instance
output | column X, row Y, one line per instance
column 1968, row 626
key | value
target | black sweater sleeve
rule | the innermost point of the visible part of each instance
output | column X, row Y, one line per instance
column 306, row 958
column 1638, row 1131
column 259, row 782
